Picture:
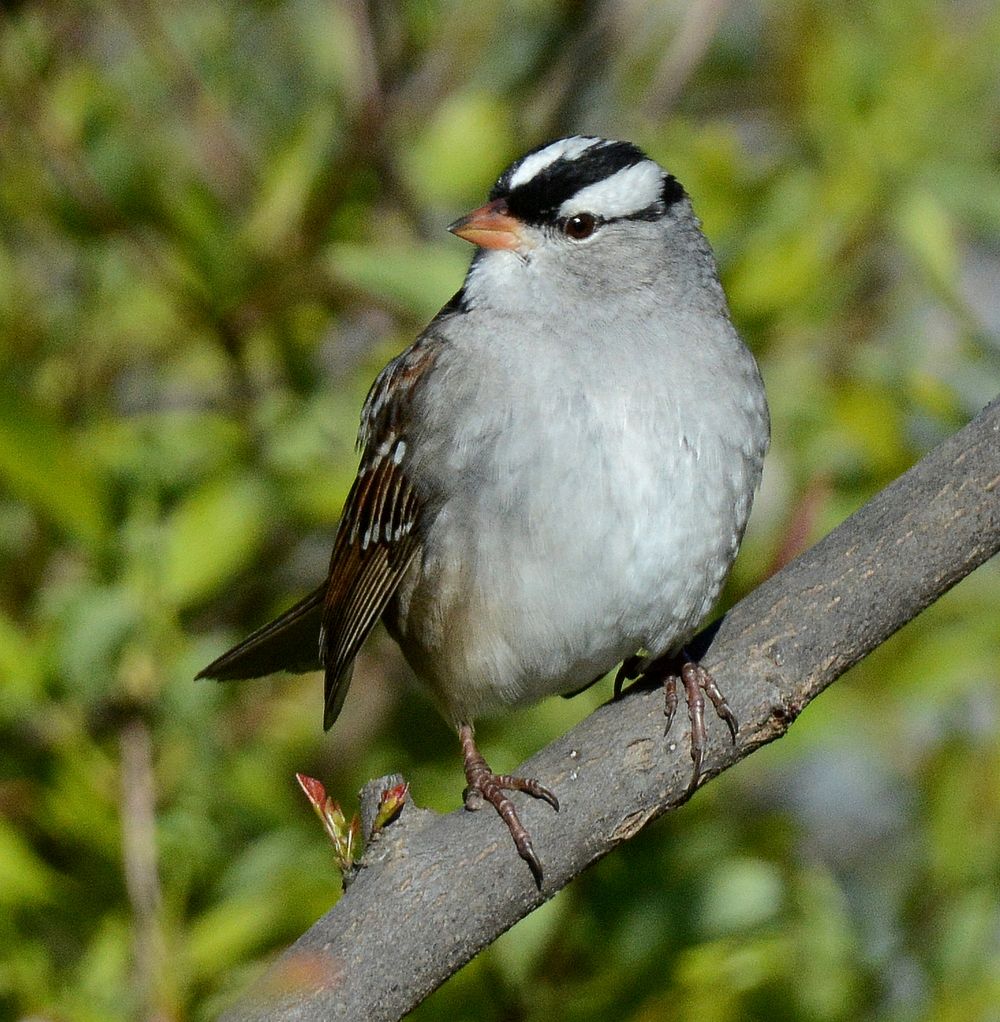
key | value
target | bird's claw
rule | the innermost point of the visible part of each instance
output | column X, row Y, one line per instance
column 492, row 788
column 698, row 683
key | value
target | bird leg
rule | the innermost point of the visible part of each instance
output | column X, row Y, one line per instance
column 491, row 787
column 697, row 684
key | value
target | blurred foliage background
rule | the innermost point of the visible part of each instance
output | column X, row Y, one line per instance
column 217, row 221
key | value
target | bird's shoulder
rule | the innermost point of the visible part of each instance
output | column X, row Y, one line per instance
column 393, row 400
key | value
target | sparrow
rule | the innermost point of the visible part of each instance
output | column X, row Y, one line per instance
column 555, row 477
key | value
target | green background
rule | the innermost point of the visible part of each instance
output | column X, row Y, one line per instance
column 217, row 221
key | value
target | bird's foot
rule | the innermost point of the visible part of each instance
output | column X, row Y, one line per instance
column 491, row 787
column 697, row 683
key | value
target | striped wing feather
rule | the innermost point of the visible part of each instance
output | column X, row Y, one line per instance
column 380, row 530
column 374, row 546
column 376, row 541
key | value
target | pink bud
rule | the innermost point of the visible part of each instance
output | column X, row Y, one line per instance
column 314, row 790
column 389, row 805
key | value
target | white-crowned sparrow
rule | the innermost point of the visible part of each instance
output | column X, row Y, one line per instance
column 555, row 477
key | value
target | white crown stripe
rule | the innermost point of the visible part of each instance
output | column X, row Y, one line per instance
column 627, row 191
column 565, row 148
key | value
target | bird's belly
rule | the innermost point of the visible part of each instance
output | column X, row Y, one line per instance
column 525, row 597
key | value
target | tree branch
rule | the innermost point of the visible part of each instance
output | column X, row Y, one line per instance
column 437, row 889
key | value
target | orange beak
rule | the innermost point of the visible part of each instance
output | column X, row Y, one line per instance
column 490, row 226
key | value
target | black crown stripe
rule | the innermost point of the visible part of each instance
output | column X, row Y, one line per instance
column 537, row 201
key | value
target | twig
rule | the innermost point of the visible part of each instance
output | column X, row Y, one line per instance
column 142, row 882
column 681, row 59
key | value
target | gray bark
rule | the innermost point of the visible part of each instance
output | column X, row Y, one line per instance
column 436, row 889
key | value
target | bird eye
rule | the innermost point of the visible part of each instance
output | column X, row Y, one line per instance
column 580, row 226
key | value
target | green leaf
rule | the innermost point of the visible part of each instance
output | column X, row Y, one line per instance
column 288, row 181
column 927, row 229
column 419, row 279
column 229, row 931
column 215, row 533
column 21, row 670
column 24, row 878
column 90, row 632
column 743, row 893
column 41, row 465
column 442, row 165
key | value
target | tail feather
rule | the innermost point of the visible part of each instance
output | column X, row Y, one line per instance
column 288, row 643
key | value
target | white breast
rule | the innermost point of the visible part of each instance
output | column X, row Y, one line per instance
column 583, row 522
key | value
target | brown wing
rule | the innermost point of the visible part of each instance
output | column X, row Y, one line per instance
column 374, row 546
column 378, row 537
column 380, row 530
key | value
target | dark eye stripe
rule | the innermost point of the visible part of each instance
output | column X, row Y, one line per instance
column 673, row 191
